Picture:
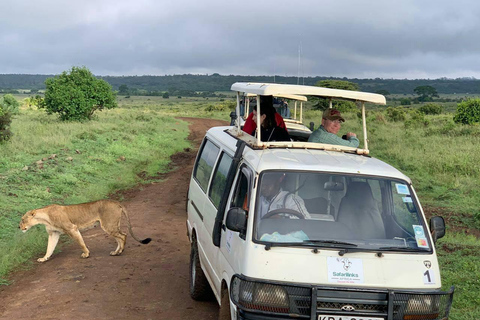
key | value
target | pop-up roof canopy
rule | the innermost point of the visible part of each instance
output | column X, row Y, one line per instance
column 284, row 90
column 288, row 96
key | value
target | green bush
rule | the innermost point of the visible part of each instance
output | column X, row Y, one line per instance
column 8, row 107
column 36, row 101
column 9, row 104
column 431, row 108
column 468, row 111
column 77, row 94
column 395, row 114
column 405, row 101
column 5, row 121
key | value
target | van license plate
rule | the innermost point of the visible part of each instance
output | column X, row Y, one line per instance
column 327, row 317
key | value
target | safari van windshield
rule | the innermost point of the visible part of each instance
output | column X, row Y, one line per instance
column 341, row 211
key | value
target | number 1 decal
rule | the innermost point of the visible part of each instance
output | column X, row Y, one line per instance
column 429, row 277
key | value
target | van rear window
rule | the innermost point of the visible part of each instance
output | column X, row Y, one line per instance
column 219, row 180
column 205, row 163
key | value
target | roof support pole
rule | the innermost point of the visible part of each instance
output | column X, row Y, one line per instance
column 258, row 121
column 238, row 111
column 295, row 112
column 364, row 121
column 247, row 107
column 301, row 113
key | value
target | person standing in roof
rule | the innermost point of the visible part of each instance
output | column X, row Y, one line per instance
column 269, row 129
column 327, row 132
column 250, row 124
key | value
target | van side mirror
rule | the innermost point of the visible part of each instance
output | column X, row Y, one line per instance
column 437, row 228
column 237, row 220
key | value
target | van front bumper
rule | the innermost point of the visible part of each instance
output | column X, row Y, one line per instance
column 265, row 300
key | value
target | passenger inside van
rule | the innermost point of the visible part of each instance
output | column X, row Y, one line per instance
column 276, row 202
column 250, row 124
column 269, row 130
column 327, row 132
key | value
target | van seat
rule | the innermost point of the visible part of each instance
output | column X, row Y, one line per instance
column 319, row 205
column 359, row 211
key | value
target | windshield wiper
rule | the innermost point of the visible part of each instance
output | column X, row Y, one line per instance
column 329, row 242
column 268, row 246
column 309, row 244
column 405, row 249
column 334, row 244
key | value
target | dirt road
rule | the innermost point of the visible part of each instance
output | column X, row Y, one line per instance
column 145, row 282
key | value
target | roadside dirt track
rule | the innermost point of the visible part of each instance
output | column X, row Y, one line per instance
column 145, row 282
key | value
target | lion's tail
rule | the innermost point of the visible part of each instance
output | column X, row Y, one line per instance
column 144, row 241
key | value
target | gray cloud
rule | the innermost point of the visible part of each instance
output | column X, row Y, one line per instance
column 345, row 38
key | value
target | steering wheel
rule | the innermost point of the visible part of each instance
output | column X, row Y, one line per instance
column 283, row 210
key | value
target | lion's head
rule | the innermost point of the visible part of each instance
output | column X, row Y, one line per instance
column 27, row 220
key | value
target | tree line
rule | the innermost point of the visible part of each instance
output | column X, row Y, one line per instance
column 76, row 94
column 157, row 85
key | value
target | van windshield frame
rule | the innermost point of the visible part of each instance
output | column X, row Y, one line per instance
column 325, row 209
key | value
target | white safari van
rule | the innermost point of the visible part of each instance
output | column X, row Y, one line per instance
column 301, row 230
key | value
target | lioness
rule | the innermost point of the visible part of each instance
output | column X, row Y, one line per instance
column 73, row 218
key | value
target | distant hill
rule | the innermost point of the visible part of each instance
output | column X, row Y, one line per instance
column 216, row 82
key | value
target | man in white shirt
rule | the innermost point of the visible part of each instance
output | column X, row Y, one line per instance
column 272, row 197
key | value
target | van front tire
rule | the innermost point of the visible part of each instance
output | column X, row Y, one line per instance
column 199, row 286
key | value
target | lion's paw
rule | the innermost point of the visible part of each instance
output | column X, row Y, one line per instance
column 42, row 259
column 85, row 255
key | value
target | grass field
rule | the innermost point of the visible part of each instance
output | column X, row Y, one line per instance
column 48, row 161
column 442, row 158
column 443, row 161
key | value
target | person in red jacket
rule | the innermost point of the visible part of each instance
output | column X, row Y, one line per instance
column 250, row 125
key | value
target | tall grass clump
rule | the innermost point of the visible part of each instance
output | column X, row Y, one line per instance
column 431, row 109
column 48, row 161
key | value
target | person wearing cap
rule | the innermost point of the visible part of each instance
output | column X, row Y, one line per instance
column 327, row 132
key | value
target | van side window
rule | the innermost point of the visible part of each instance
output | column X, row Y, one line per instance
column 204, row 166
column 219, row 179
column 241, row 197
column 405, row 211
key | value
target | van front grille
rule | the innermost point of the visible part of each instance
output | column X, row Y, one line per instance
column 363, row 307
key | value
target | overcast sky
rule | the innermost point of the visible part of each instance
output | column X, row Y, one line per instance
column 414, row 39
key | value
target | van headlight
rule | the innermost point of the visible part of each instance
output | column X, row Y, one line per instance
column 260, row 296
column 422, row 307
